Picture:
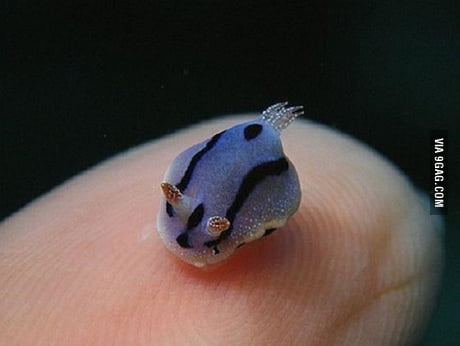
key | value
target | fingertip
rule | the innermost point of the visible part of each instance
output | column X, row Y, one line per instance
column 359, row 236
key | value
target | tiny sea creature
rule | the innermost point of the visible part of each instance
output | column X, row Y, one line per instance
column 229, row 190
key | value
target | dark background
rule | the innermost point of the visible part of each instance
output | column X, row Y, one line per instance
column 83, row 80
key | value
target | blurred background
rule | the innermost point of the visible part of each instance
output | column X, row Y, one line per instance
column 84, row 80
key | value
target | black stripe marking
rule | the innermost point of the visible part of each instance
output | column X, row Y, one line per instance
column 191, row 167
column 250, row 181
column 193, row 220
column 169, row 209
column 195, row 159
column 195, row 217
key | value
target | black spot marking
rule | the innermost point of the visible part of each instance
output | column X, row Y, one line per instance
column 191, row 167
column 182, row 240
column 195, row 217
column 240, row 245
column 212, row 243
column 252, row 131
column 215, row 250
column 250, row 181
column 269, row 231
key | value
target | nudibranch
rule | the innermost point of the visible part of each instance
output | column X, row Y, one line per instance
column 229, row 190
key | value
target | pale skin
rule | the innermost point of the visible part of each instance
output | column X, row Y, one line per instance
column 358, row 264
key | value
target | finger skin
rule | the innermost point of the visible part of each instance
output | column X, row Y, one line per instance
column 358, row 263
